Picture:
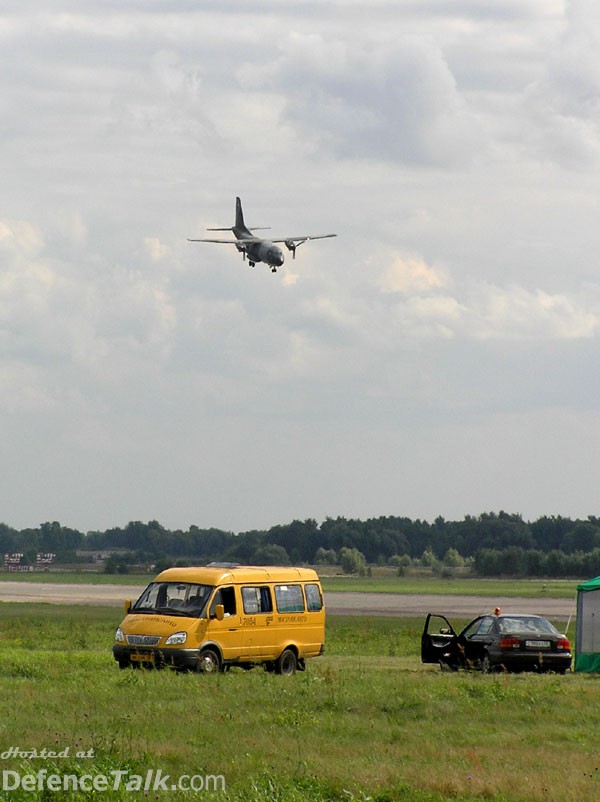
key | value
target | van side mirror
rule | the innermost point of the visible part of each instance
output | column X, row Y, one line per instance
column 127, row 605
column 219, row 612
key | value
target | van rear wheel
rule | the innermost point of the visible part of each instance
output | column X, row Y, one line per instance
column 209, row 662
column 287, row 663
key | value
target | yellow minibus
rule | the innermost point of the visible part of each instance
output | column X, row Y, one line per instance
column 221, row 615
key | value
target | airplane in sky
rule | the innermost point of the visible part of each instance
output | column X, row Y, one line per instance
column 256, row 248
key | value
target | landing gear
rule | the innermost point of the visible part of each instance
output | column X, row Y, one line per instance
column 252, row 264
column 273, row 270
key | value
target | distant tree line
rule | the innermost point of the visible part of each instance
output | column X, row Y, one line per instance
column 494, row 544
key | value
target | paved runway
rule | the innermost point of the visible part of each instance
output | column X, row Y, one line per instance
column 459, row 606
column 350, row 603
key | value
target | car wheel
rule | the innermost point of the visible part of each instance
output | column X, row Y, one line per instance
column 287, row 663
column 209, row 662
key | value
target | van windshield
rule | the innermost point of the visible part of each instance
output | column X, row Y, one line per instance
column 174, row 598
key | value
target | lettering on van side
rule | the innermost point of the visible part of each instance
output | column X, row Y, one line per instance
column 288, row 619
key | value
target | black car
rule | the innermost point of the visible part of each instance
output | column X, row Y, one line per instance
column 496, row 643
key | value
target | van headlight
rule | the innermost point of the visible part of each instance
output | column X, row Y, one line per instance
column 119, row 635
column 176, row 639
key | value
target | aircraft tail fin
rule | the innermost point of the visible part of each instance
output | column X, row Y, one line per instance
column 239, row 225
column 239, row 215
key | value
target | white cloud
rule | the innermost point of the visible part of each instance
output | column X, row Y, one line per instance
column 484, row 311
column 21, row 237
column 518, row 313
column 155, row 248
column 480, row 309
column 411, row 274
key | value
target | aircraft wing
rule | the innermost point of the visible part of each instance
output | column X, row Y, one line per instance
column 304, row 238
column 229, row 241
column 248, row 240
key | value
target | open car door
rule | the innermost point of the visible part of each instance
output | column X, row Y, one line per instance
column 439, row 641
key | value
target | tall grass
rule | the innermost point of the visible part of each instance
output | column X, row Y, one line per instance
column 366, row 721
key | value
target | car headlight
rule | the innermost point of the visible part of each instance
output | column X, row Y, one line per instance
column 176, row 638
column 119, row 635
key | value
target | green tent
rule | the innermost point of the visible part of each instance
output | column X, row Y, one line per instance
column 587, row 641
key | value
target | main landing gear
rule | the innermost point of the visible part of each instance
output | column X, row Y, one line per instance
column 253, row 264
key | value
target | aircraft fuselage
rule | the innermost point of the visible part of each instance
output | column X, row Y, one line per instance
column 262, row 251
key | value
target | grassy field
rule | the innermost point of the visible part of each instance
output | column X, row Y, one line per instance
column 525, row 588
column 365, row 722
column 76, row 577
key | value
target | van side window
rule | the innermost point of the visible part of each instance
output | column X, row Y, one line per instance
column 226, row 597
column 257, row 600
column 289, row 598
column 314, row 602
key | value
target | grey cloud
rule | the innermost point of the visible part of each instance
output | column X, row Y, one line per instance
column 372, row 100
column 562, row 104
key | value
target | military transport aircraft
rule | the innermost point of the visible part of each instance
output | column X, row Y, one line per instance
column 256, row 248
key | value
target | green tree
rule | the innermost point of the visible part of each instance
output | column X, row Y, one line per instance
column 352, row 561
column 583, row 537
column 452, row 559
column 271, row 554
column 428, row 559
column 325, row 556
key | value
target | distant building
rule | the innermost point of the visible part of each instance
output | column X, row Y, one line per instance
column 99, row 555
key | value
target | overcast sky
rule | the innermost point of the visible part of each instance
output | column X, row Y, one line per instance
column 440, row 357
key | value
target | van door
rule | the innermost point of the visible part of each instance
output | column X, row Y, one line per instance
column 257, row 621
column 314, row 630
column 228, row 633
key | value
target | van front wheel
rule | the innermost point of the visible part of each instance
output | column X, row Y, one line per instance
column 287, row 663
column 209, row 662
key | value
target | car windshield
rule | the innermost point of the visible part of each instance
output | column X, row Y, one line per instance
column 174, row 598
column 525, row 624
